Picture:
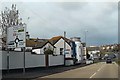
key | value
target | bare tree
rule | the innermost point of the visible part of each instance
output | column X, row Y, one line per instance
column 9, row 18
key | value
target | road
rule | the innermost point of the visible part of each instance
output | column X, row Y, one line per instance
column 97, row 70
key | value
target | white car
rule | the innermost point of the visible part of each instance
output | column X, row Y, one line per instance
column 89, row 61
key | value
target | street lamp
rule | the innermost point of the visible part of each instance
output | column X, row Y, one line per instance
column 64, row 45
column 86, row 43
column 86, row 37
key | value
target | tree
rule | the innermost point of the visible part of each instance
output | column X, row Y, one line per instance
column 9, row 18
column 48, row 51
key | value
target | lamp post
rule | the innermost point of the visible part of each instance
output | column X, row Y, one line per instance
column 86, row 36
column 64, row 46
column 86, row 43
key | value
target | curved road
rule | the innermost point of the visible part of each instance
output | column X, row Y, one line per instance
column 98, row 70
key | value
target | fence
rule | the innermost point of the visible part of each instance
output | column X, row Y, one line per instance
column 56, row 60
column 16, row 60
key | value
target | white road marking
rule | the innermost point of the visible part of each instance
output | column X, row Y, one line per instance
column 100, row 68
column 93, row 75
column 75, row 69
column 97, row 70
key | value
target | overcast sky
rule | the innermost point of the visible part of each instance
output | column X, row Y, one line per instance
column 48, row 19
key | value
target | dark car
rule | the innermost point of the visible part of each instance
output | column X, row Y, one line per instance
column 108, row 60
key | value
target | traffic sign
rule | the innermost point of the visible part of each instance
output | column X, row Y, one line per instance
column 16, row 36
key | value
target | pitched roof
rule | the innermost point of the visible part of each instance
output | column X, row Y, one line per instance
column 41, row 44
column 55, row 39
column 31, row 43
column 37, row 43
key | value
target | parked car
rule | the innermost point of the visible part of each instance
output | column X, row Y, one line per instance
column 112, row 56
column 89, row 61
column 108, row 60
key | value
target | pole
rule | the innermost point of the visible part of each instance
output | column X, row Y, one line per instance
column 24, row 60
column 8, row 55
column 64, row 46
column 86, row 37
column 86, row 43
column 8, row 60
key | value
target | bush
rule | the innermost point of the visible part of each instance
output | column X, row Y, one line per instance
column 48, row 51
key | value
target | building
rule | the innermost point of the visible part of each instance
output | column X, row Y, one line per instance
column 94, row 52
column 64, row 46
column 42, row 47
column 79, row 49
column 58, row 42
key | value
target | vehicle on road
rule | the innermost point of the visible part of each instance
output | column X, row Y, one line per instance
column 89, row 61
column 108, row 60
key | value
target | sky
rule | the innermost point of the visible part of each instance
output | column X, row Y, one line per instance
column 99, row 20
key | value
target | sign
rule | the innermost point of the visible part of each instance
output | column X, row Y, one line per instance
column 16, row 36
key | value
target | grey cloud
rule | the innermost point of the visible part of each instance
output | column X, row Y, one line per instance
column 51, row 19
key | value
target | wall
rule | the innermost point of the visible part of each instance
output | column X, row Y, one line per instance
column 56, row 60
column 60, row 44
column 3, row 64
column 79, row 51
column 41, row 50
column 31, row 60
column 69, row 62
column 0, row 65
column 16, row 60
column 47, row 46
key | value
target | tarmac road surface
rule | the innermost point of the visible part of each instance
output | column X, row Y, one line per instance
column 97, row 70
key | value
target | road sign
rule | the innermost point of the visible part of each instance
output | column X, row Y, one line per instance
column 16, row 36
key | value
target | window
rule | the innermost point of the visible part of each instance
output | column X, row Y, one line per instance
column 61, row 51
column 72, row 48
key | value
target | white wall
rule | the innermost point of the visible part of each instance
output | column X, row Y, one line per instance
column 56, row 60
column 60, row 44
column 16, row 60
column 37, row 51
column 47, row 46
column 0, row 60
column 69, row 62
column 41, row 50
column 3, row 64
column 33, row 60
column 79, row 51
column 0, row 65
